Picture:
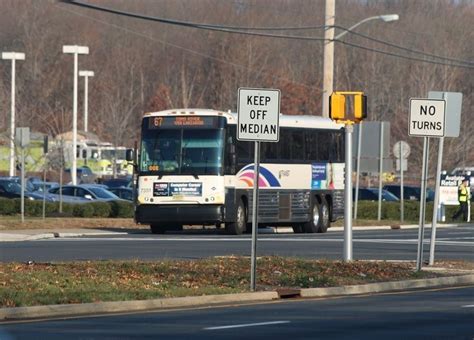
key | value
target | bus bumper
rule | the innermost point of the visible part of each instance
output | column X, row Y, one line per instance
column 183, row 214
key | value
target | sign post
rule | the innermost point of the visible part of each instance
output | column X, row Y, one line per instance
column 401, row 150
column 427, row 119
column 453, row 109
column 258, row 120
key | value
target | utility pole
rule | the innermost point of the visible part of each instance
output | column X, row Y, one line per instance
column 328, row 63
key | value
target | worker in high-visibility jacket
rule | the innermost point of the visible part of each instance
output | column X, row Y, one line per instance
column 464, row 197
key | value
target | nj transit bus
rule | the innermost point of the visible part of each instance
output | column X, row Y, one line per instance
column 192, row 170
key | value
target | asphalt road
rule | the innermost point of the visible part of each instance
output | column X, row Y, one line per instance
column 387, row 244
column 432, row 314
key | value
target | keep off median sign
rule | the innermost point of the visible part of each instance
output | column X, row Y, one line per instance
column 427, row 117
column 258, row 115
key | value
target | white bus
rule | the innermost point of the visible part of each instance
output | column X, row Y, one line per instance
column 193, row 171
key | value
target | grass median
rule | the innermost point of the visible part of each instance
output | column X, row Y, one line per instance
column 32, row 284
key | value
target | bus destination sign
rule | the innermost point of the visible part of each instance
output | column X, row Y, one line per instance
column 183, row 121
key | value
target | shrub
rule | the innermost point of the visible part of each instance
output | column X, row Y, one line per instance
column 83, row 210
column 122, row 209
column 101, row 209
column 7, row 206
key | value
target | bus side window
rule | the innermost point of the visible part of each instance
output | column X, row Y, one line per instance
column 297, row 145
column 311, row 145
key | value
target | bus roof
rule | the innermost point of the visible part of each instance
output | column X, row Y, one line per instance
column 303, row 121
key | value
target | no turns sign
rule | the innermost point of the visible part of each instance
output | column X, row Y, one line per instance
column 427, row 117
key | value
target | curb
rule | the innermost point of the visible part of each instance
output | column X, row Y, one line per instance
column 389, row 286
column 18, row 313
column 21, row 313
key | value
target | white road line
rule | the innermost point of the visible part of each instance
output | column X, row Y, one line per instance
column 247, row 325
column 467, row 306
column 208, row 239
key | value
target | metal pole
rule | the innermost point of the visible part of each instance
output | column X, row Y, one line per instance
column 359, row 142
column 256, row 175
column 424, row 174
column 379, row 214
column 402, row 202
column 74, row 124
column 44, row 188
column 436, row 201
column 22, row 183
column 328, row 61
column 12, row 124
column 348, row 196
column 86, row 101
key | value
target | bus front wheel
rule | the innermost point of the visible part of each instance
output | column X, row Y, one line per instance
column 239, row 225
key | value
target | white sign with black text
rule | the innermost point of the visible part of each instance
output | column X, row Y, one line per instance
column 258, row 115
column 427, row 117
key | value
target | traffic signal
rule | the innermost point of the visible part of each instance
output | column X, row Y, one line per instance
column 337, row 106
column 360, row 107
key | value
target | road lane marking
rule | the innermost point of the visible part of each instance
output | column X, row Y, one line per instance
column 227, row 239
column 468, row 306
column 247, row 325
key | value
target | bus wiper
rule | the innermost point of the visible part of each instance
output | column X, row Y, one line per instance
column 195, row 175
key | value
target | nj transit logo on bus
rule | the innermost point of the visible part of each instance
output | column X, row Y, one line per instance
column 265, row 180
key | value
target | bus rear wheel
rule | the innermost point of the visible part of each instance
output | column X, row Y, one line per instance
column 319, row 222
column 239, row 225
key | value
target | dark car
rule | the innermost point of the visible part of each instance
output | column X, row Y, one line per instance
column 118, row 182
column 84, row 174
column 9, row 188
column 124, row 193
column 86, row 193
column 372, row 194
column 412, row 193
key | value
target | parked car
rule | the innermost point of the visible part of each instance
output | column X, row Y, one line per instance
column 372, row 194
column 118, row 182
column 124, row 193
column 9, row 188
column 28, row 185
column 39, row 186
column 410, row 192
column 84, row 175
column 86, row 192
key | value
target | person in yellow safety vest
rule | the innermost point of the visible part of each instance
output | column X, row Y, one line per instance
column 464, row 197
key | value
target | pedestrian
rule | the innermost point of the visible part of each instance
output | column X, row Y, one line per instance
column 464, row 197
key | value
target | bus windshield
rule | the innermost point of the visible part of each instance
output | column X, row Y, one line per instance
column 182, row 151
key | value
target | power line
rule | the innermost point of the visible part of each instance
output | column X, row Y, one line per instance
column 403, row 56
column 191, row 24
column 225, row 29
column 404, row 48
column 191, row 51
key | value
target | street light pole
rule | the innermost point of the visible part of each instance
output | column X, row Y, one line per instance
column 86, row 75
column 76, row 50
column 329, row 38
column 13, row 56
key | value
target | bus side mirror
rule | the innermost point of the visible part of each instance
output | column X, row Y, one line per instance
column 129, row 155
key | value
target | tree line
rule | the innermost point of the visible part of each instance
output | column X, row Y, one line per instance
column 145, row 66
